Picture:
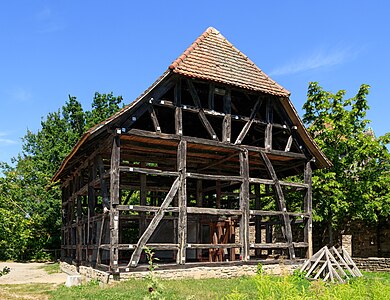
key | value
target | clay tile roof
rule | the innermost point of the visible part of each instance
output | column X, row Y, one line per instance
column 212, row 57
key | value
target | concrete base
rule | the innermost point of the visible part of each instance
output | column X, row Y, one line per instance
column 73, row 280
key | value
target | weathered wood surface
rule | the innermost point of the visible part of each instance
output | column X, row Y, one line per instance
column 154, row 223
column 244, row 205
column 202, row 115
column 182, row 202
column 249, row 123
column 281, row 203
column 308, row 230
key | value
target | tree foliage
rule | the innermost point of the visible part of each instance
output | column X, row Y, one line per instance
column 357, row 186
column 30, row 208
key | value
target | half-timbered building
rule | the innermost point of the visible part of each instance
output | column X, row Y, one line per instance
column 210, row 164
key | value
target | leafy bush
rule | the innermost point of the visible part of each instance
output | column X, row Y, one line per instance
column 5, row 271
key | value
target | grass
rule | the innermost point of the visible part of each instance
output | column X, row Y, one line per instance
column 371, row 286
column 34, row 291
column 52, row 268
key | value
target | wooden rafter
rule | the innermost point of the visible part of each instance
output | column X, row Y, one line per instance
column 143, row 107
column 248, row 124
column 154, row 118
column 201, row 114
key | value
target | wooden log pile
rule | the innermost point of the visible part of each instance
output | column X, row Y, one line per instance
column 331, row 265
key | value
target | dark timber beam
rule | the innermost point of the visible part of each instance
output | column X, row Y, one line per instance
column 227, row 119
column 179, row 121
column 182, row 202
column 201, row 114
column 288, row 144
column 269, row 119
column 199, row 193
column 156, row 93
column 244, row 205
column 211, row 96
column 154, row 223
column 248, row 124
column 281, row 203
column 218, row 162
column 143, row 194
column 114, row 201
column 103, row 184
column 177, row 93
column 153, row 116
column 308, row 209
column 257, row 218
column 91, row 189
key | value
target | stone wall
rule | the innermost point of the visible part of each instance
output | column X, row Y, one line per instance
column 216, row 272
column 68, row 268
column 195, row 272
column 366, row 240
column 378, row 264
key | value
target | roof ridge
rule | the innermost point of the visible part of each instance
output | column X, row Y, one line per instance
column 186, row 52
column 253, row 64
column 213, row 57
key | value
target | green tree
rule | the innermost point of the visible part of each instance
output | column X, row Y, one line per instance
column 357, row 186
column 103, row 106
column 30, row 204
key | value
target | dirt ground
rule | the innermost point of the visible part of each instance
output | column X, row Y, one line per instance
column 22, row 273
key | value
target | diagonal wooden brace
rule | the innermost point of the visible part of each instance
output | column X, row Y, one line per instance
column 154, row 223
column 281, row 203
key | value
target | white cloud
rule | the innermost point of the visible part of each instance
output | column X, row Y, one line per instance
column 43, row 14
column 4, row 141
column 319, row 59
column 48, row 22
column 20, row 94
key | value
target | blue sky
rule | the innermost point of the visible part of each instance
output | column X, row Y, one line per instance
column 50, row 49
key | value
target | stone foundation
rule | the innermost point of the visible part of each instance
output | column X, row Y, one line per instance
column 68, row 268
column 195, row 272
column 215, row 272
column 374, row 264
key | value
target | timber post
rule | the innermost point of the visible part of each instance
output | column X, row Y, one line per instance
column 244, row 204
column 308, row 232
column 182, row 201
column 114, row 201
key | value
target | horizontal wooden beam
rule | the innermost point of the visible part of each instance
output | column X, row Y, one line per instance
column 277, row 213
column 208, row 246
column 155, row 246
column 201, row 141
column 148, row 171
column 214, row 177
column 283, row 183
column 195, row 110
column 145, row 208
column 212, row 211
column 277, row 245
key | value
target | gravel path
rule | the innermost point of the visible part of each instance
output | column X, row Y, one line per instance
column 22, row 273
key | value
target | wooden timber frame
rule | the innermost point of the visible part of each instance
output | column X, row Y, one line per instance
column 154, row 168
column 200, row 171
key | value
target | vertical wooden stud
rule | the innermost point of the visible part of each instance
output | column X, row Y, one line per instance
column 244, row 204
column 308, row 209
column 182, row 199
column 114, row 201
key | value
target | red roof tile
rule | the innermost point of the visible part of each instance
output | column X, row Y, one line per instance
column 212, row 57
